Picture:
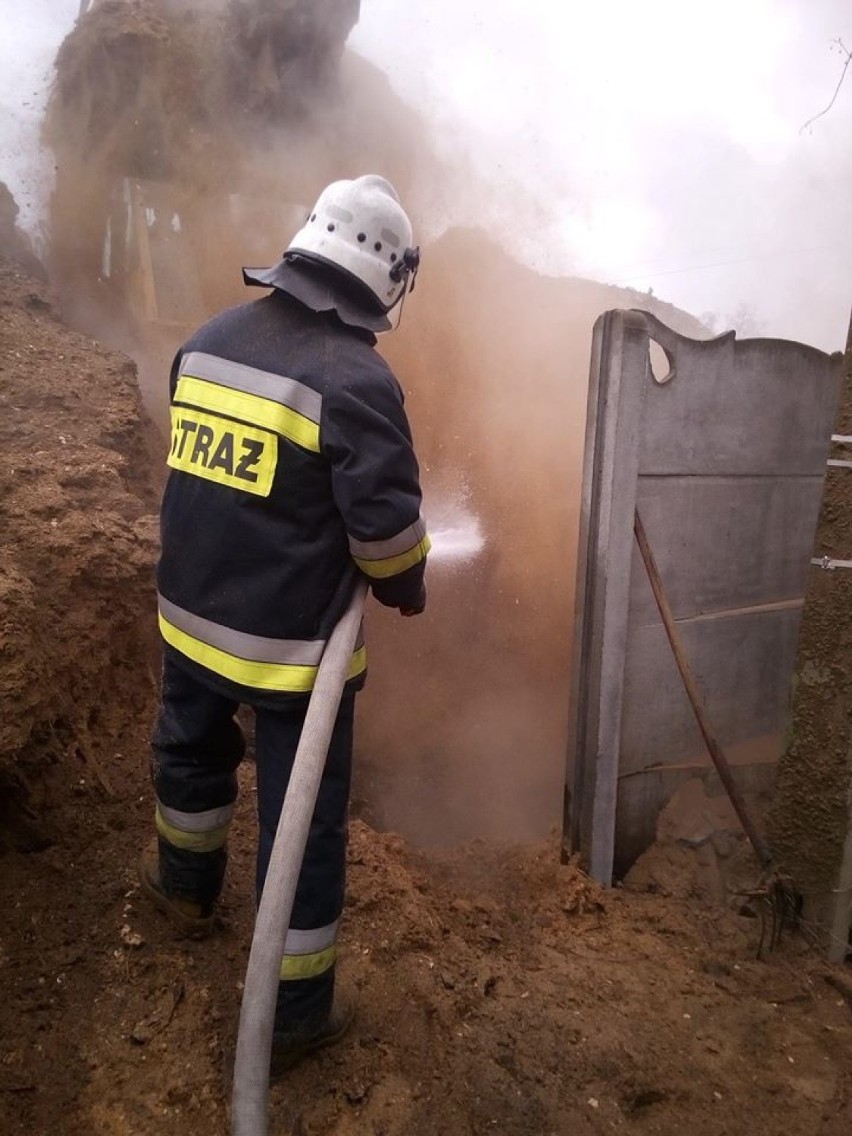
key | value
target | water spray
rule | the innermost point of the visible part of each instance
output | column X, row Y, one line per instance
column 455, row 532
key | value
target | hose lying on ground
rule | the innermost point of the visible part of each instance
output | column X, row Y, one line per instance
column 257, row 1013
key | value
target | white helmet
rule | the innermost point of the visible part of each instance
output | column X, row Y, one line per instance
column 360, row 226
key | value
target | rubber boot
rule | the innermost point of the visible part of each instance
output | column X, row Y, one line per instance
column 191, row 918
column 292, row 1045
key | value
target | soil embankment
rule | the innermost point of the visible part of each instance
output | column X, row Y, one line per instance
column 77, row 509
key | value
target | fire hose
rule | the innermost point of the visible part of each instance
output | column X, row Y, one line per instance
column 257, row 1012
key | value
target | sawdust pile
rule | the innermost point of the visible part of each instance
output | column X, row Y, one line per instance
column 79, row 537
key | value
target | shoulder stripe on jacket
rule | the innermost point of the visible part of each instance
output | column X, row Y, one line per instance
column 247, row 394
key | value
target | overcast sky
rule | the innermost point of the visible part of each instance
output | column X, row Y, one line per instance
column 668, row 133
column 663, row 139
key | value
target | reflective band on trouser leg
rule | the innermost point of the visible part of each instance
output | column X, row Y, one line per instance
column 194, row 832
column 193, row 851
column 308, row 954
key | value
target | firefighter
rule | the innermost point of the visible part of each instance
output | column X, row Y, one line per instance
column 292, row 473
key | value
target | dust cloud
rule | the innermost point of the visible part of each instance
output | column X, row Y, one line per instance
column 173, row 170
column 464, row 720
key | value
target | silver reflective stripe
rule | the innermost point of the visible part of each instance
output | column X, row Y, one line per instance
column 393, row 546
column 238, row 376
column 255, row 648
column 196, row 822
column 309, row 942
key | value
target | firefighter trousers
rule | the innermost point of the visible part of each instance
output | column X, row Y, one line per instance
column 197, row 747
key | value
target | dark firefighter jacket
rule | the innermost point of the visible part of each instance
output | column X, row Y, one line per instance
column 292, row 469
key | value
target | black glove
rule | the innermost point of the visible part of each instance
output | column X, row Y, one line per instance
column 417, row 607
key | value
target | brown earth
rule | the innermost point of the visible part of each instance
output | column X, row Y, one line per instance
column 77, row 507
column 498, row 991
column 810, row 815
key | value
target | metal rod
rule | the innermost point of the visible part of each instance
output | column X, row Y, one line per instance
column 828, row 563
column 723, row 767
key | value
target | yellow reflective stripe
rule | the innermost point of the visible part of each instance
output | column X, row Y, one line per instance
column 393, row 565
column 290, row 677
column 251, row 408
column 191, row 841
column 307, row 966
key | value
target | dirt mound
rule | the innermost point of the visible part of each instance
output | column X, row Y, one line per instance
column 154, row 88
column 180, row 130
column 497, row 991
column 121, row 96
column 79, row 537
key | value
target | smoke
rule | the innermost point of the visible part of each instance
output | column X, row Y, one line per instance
column 664, row 142
column 31, row 34
column 462, row 724
column 533, row 142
